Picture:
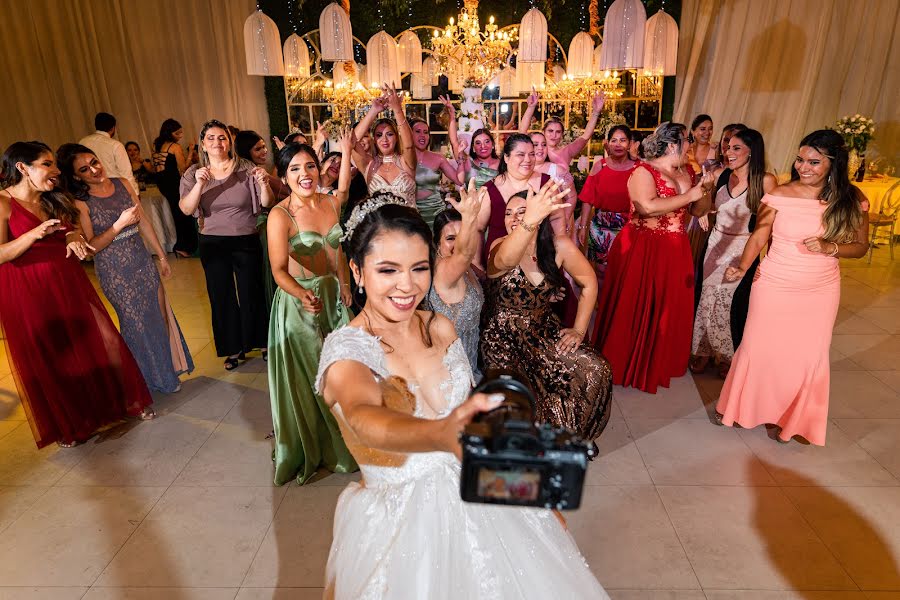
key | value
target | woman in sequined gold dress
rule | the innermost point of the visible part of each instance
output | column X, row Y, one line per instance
column 393, row 168
column 644, row 313
column 398, row 381
column 520, row 331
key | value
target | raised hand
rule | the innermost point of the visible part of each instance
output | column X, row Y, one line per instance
column 470, row 200
column 451, row 110
column 321, row 132
column 533, row 97
column 347, row 141
column 541, row 205
column 278, row 143
column 393, row 100
column 597, row 102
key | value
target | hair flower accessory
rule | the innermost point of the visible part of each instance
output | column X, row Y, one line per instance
column 361, row 210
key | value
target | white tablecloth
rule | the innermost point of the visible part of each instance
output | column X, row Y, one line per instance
column 156, row 207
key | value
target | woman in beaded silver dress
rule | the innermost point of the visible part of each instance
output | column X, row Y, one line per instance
column 111, row 218
column 455, row 291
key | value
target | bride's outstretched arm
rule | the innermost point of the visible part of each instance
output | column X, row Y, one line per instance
column 351, row 385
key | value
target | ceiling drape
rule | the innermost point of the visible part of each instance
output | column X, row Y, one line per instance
column 143, row 61
column 789, row 67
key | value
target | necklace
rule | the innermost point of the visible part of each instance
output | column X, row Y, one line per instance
column 387, row 158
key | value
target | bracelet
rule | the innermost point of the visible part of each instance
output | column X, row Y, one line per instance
column 527, row 227
column 836, row 249
column 578, row 331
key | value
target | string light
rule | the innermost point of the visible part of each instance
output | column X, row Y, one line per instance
column 582, row 24
column 380, row 16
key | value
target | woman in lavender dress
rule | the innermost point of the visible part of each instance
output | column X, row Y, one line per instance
column 111, row 219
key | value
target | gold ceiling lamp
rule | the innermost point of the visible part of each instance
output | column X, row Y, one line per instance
column 482, row 54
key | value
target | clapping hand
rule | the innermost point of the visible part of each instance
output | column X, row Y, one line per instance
column 539, row 206
column 470, row 200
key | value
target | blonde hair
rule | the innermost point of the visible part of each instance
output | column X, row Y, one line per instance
column 656, row 143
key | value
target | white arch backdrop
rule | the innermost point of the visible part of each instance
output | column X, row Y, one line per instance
column 788, row 67
column 62, row 62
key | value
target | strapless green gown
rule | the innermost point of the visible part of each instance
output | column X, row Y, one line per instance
column 307, row 436
column 433, row 203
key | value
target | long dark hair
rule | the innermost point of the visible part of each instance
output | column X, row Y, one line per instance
column 443, row 218
column 244, row 142
column 386, row 218
column 511, row 142
column 842, row 216
column 546, row 249
column 390, row 123
column 65, row 160
column 696, row 123
column 482, row 131
column 168, row 127
column 756, row 165
column 56, row 203
column 288, row 152
column 728, row 130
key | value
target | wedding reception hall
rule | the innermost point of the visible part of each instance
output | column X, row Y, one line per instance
column 462, row 299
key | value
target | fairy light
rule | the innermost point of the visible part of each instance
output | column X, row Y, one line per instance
column 380, row 16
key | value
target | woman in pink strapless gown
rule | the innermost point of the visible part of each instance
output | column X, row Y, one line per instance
column 781, row 373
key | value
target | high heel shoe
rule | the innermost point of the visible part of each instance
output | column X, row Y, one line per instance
column 231, row 363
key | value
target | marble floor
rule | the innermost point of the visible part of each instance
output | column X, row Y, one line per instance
column 676, row 508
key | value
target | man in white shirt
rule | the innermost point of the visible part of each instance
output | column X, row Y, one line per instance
column 110, row 151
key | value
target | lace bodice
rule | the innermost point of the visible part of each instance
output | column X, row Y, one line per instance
column 380, row 467
column 672, row 222
column 403, row 186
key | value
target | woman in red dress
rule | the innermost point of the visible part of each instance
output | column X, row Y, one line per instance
column 73, row 370
column 644, row 315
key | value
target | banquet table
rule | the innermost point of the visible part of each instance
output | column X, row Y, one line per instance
column 875, row 190
column 156, row 207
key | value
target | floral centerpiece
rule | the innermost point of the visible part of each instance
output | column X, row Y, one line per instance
column 857, row 131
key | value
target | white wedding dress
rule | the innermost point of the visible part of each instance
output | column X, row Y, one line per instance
column 403, row 533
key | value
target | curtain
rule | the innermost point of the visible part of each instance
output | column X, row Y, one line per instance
column 789, row 67
column 142, row 61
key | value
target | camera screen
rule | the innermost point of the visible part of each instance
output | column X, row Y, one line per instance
column 521, row 484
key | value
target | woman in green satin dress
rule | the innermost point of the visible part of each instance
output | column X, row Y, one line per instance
column 311, row 301
column 429, row 168
column 481, row 162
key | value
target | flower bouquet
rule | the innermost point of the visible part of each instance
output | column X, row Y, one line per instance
column 857, row 131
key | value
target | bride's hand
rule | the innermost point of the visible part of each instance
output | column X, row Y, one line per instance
column 453, row 424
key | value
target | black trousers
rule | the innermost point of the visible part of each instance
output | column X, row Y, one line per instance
column 185, row 225
column 234, row 282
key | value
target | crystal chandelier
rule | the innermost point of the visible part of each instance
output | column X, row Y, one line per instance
column 482, row 54
column 579, row 90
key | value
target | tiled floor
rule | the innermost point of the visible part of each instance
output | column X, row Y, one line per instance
column 182, row 508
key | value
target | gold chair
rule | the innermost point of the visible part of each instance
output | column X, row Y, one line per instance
column 886, row 217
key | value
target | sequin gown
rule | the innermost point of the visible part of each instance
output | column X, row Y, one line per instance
column 429, row 206
column 646, row 305
column 402, row 185
column 306, row 434
column 465, row 315
column 130, row 281
column 712, row 323
column 519, row 331
column 73, row 371
column 404, row 533
column 781, row 372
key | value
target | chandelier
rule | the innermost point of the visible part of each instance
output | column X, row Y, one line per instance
column 578, row 91
column 482, row 54
column 345, row 99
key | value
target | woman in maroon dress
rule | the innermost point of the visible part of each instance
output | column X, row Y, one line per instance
column 644, row 315
column 73, row 371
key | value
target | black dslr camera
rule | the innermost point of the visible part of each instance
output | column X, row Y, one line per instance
column 510, row 459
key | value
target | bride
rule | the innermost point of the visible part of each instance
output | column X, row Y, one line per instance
column 398, row 381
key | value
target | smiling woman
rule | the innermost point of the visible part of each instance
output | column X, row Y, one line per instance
column 72, row 369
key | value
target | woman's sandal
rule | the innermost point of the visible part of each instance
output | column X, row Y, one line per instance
column 698, row 364
column 148, row 414
column 232, row 362
column 68, row 444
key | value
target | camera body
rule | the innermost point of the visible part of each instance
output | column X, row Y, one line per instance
column 510, row 459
